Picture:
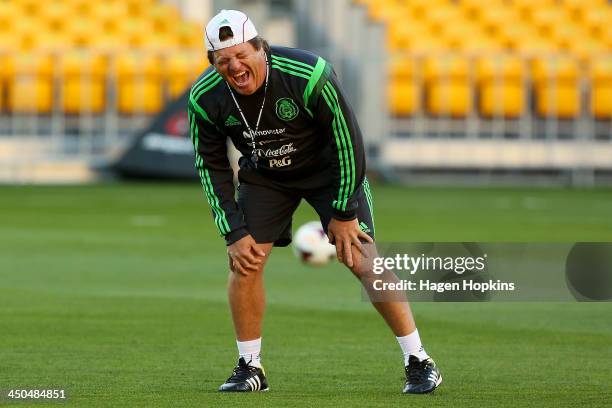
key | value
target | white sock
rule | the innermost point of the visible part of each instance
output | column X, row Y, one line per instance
column 411, row 345
column 250, row 350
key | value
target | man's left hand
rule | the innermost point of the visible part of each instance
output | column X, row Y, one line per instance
column 345, row 234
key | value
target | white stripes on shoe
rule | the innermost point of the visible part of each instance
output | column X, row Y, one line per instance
column 254, row 383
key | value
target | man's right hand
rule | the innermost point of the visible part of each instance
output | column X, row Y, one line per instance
column 245, row 256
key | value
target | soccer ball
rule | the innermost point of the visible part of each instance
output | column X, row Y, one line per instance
column 311, row 245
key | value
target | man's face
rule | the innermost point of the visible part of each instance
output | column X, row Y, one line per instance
column 242, row 67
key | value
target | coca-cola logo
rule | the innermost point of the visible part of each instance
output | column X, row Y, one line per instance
column 281, row 151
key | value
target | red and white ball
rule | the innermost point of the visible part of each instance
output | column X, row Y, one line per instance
column 311, row 246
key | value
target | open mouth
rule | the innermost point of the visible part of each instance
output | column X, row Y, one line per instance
column 241, row 79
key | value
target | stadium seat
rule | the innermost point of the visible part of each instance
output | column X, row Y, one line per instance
column 494, row 18
column 111, row 15
column 139, row 83
column 586, row 48
column 404, row 89
column 528, row 7
column 556, row 87
column 7, row 17
column 136, row 32
column 7, row 43
column 476, row 9
column 439, row 17
column 500, row 84
column 420, row 8
column 601, row 87
column 30, row 83
column 577, row 8
column 81, row 34
column 595, row 19
column 56, row 15
column 139, row 8
column 401, row 35
column 163, row 17
column 189, row 35
column 82, row 82
column 460, row 36
column 30, row 7
column 84, row 8
column 448, row 90
column 181, row 69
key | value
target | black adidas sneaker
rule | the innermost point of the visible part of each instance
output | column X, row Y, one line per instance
column 421, row 376
column 245, row 378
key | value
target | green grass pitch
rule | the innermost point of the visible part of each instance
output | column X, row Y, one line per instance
column 117, row 294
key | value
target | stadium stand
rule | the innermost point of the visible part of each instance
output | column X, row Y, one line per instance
column 561, row 41
column 80, row 56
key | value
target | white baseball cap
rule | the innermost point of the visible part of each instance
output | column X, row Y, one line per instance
column 240, row 24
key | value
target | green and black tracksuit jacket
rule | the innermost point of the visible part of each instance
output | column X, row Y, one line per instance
column 307, row 127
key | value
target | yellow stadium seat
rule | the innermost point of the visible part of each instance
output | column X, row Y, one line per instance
column 404, row 97
column 421, row 8
column 7, row 17
column 111, row 16
column 596, row 18
column 139, row 83
column 556, row 87
column 7, row 43
column 82, row 82
column 601, row 88
column 135, row 32
column 528, row 7
column 548, row 19
column 515, row 36
column 568, row 34
column 181, row 69
column 577, row 8
column 500, row 85
column 461, row 35
column 403, row 35
column 30, row 83
column 439, row 17
column 139, row 8
column 477, row 8
column 495, row 18
column 189, row 35
column 24, row 38
column 82, row 34
column 403, row 89
column 83, row 8
column 159, row 42
column 30, row 7
column 56, row 15
column 163, row 17
column 584, row 49
column 448, row 90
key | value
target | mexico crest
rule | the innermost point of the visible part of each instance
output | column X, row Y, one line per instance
column 286, row 109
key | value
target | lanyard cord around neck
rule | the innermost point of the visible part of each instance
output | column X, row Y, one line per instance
column 252, row 133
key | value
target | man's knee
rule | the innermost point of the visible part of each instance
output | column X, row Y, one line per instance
column 251, row 273
column 363, row 262
column 360, row 270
